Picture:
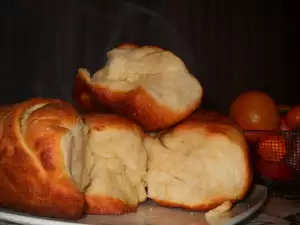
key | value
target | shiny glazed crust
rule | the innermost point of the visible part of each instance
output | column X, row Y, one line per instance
column 32, row 172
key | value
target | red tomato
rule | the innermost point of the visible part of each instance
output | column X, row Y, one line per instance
column 276, row 171
column 293, row 117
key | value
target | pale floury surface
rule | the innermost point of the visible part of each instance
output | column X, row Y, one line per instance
column 158, row 71
column 115, row 163
column 147, row 84
column 199, row 164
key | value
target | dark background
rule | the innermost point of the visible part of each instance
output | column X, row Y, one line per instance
column 231, row 46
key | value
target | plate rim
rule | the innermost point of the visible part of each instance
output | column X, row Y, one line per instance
column 253, row 209
column 19, row 218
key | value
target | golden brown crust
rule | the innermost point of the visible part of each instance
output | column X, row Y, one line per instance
column 100, row 121
column 127, row 45
column 103, row 205
column 201, row 207
column 139, row 106
column 83, row 95
column 32, row 173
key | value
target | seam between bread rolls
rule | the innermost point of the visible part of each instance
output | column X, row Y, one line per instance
column 116, row 164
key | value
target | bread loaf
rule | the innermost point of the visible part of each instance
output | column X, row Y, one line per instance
column 199, row 164
column 116, row 164
column 150, row 85
column 41, row 143
column 53, row 162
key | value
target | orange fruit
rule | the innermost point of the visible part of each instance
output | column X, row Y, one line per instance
column 255, row 110
column 293, row 118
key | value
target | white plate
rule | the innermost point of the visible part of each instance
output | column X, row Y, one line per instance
column 150, row 213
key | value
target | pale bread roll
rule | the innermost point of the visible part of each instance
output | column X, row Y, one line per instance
column 147, row 84
column 116, row 163
column 199, row 165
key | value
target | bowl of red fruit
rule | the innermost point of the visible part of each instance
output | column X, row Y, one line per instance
column 273, row 135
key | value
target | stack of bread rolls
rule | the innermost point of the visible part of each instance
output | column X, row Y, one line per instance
column 57, row 162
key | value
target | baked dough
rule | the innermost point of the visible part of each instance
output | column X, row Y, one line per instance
column 115, row 163
column 199, row 164
column 150, row 85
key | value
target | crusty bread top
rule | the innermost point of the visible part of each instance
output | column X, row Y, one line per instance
column 147, row 84
column 102, row 121
column 199, row 164
column 214, row 124
column 161, row 73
